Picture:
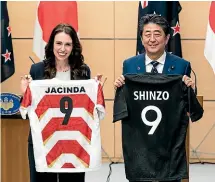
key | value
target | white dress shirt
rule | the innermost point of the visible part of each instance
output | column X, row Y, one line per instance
column 61, row 75
column 159, row 67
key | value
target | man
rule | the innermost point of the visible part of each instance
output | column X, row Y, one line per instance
column 155, row 36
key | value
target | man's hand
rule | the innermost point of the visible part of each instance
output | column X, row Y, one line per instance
column 119, row 81
column 188, row 81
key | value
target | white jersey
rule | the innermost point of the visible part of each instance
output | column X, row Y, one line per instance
column 64, row 119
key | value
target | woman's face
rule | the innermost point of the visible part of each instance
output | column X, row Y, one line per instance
column 62, row 46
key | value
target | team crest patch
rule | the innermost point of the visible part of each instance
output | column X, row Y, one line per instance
column 10, row 103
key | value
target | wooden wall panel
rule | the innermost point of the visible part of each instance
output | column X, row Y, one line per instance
column 193, row 51
column 22, row 18
column 96, row 19
column 107, row 131
column 22, row 50
column 99, row 55
column 123, row 50
column 200, row 129
column 14, row 133
column 194, row 19
column 126, row 14
column 88, row 18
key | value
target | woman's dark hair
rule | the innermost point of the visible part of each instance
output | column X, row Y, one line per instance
column 156, row 19
column 76, row 59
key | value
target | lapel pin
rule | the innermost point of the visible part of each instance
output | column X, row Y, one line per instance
column 171, row 68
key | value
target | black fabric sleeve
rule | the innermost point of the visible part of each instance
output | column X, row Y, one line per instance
column 188, row 69
column 21, row 98
column 32, row 73
column 120, row 110
column 193, row 106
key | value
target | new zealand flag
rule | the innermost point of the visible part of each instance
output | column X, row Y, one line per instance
column 170, row 11
column 7, row 59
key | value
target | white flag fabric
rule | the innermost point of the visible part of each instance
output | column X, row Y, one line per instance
column 209, row 51
column 48, row 15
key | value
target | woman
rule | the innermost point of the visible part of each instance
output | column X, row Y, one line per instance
column 63, row 60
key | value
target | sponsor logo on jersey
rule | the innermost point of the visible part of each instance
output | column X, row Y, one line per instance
column 10, row 103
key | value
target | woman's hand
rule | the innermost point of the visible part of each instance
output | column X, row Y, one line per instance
column 25, row 80
column 99, row 78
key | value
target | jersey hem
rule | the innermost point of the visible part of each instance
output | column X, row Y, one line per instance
column 67, row 170
column 120, row 116
column 158, row 179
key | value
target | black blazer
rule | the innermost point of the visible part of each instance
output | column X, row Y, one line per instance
column 37, row 73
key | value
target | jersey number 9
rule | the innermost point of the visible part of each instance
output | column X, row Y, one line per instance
column 66, row 107
column 154, row 123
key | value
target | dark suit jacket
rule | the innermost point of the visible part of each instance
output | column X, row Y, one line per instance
column 37, row 73
column 173, row 65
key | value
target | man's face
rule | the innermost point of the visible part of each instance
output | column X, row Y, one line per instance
column 154, row 39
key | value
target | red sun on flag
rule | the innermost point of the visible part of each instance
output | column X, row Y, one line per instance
column 52, row 13
column 49, row 14
column 212, row 16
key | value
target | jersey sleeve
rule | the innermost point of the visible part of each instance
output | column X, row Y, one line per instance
column 120, row 110
column 100, row 105
column 26, row 102
column 193, row 106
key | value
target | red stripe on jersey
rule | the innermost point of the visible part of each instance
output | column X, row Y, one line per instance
column 100, row 96
column 68, row 165
column 74, row 124
column 26, row 101
column 53, row 101
column 68, row 147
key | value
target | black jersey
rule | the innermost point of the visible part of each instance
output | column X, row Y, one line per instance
column 153, row 109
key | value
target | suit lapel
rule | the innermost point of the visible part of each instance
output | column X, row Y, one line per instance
column 140, row 65
column 169, row 65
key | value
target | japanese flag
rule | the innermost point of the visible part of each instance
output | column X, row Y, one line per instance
column 48, row 15
column 210, row 37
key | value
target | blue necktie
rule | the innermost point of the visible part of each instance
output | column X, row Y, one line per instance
column 154, row 69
